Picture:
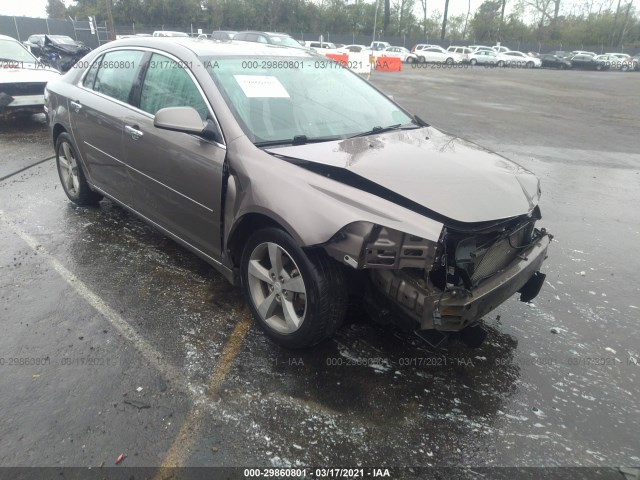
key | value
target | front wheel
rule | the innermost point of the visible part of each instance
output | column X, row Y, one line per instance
column 298, row 298
column 529, row 65
column 449, row 61
column 473, row 61
column 72, row 177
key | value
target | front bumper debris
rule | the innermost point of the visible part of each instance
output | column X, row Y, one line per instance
column 454, row 310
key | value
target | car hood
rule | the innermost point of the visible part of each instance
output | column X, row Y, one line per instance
column 28, row 73
column 447, row 175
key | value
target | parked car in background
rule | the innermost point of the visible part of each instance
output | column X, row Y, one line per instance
column 321, row 47
column 462, row 51
column 483, row 57
column 583, row 52
column 636, row 62
column 399, row 52
column 22, row 79
column 378, row 46
column 280, row 190
column 554, row 61
column 169, row 33
column 475, row 48
column 272, row 38
column 587, row 62
column 616, row 62
column 514, row 58
column 354, row 49
column 438, row 55
column 500, row 49
column 223, row 34
column 57, row 51
column 421, row 46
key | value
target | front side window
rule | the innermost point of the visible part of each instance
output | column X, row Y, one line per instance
column 315, row 98
column 117, row 72
column 167, row 84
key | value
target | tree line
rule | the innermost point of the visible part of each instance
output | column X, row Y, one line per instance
column 592, row 22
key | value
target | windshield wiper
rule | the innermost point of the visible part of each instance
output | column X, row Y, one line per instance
column 390, row 128
column 296, row 140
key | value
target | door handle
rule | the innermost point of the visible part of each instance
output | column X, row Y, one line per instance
column 76, row 106
column 133, row 132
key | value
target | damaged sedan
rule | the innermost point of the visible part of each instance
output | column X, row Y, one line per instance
column 301, row 183
column 58, row 51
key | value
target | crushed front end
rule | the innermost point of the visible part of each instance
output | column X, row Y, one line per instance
column 449, row 284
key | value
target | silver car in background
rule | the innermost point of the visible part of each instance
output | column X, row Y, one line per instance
column 300, row 182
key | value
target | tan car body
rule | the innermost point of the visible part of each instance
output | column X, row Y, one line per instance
column 380, row 205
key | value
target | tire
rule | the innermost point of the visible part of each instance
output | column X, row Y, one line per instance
column 473, row 62
column 625, row 68
column 529, row 65
column 500, row 64
column 449, row 61
column 72, row 177
column 410, row 60
column 421, row 59
column 599, row 67
column 311, row 310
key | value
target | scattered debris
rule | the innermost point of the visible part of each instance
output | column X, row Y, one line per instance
column 137, row 404
column 554, row 330
column 139, row 389
column 215, row 449
column 120, row 458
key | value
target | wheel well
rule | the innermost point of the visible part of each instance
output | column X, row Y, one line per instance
column 248, row 224
column 57, row 130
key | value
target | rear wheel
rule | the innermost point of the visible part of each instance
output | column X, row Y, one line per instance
column 529, row 65
column 449, row 61
column 473, row 61
column 501, row 64
column 298, row 298
column 72, row 177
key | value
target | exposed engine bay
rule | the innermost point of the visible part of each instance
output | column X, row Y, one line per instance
column 449, row 284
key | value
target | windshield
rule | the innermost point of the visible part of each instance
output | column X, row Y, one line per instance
column 280, row 98
column 13, row 51
column 285, row 41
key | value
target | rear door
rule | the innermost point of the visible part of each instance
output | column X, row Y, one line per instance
column 178, row 176
column 97, row 112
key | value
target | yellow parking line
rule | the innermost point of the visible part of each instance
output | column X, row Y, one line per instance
column 177, row 454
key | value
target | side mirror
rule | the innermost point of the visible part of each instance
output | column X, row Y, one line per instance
column 186, row 120
column 179, row 119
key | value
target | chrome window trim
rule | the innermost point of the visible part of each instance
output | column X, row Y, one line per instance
column 80, row 85
column 151, row 178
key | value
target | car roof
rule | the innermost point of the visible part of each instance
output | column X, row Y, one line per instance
column 6, row 37
column 206, row 47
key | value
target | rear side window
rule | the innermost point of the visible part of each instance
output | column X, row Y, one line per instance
column 117, row 72
column 167, row 84
column 90, row 77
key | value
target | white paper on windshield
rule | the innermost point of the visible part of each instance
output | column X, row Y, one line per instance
column 261, row 86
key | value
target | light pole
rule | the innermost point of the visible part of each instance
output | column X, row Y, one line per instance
column 375, row 21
